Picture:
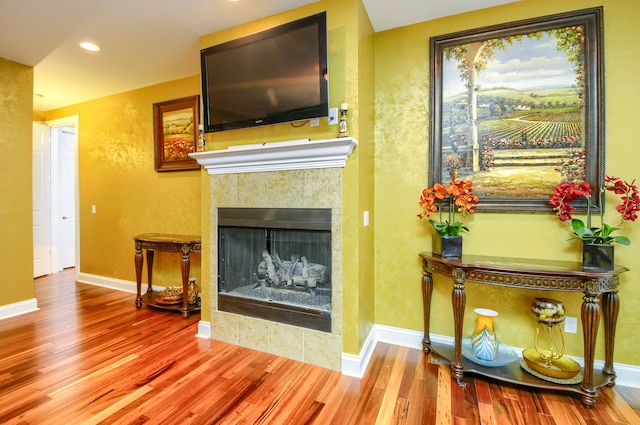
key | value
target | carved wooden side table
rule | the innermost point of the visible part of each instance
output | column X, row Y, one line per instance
column 152, row 242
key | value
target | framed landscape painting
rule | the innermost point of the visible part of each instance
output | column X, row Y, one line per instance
column 519, row 108
column 176, row 133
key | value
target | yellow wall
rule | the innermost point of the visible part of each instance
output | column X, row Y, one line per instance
column 366, row 111
column 116, row 174
column 401, row 170
column 351, row 81
column 16, row 237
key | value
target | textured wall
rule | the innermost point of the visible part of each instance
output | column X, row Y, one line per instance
column 116, row 173
column 16, row 237
column 401, row 169
column 366, row 109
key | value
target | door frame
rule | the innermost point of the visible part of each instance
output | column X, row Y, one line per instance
column 71, row 121
column 41, row 211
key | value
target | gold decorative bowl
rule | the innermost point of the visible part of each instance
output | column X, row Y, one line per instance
column 170, row 295
column 562, row 368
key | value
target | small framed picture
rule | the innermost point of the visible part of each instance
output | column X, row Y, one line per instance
column 176, row 133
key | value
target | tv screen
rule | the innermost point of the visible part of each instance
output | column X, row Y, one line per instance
column 274, row 76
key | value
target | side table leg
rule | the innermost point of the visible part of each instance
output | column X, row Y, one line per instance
column 610, row 308
column 150, row 254
column 138, row 261
column 459, row 300
column 590, row 320
column 186, row 265
column 427, row 290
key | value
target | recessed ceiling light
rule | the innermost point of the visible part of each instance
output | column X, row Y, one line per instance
column 89, row 46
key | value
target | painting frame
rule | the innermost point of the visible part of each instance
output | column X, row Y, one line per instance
column 514, row 197
column 184, row 139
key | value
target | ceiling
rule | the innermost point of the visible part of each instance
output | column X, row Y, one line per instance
column 148, row 42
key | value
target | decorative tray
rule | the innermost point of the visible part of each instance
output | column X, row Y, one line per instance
column 504, row 356
column 562, row 371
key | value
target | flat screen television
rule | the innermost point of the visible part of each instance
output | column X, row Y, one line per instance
column 274, row 76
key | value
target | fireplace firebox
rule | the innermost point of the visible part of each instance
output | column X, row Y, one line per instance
column 275, row 264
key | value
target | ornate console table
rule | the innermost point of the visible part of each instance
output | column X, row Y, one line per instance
column 529, row 274
column 165, row 242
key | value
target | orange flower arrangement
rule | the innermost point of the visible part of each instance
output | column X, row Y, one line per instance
column 460, row 200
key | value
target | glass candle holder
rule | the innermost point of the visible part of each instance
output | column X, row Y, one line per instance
column 549, row 339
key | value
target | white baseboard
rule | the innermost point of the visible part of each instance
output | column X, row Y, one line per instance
column 109, row 282
column 204, row 330
column 16, row 309
column 356, row 365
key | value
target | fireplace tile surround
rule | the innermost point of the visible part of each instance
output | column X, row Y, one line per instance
column 291, row 186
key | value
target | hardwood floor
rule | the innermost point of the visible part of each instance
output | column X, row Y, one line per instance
column 89, row 357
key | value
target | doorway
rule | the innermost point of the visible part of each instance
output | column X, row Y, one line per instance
column 55, row 196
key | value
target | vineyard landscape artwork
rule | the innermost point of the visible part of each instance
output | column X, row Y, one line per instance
column 176, row 135
column 179, row 134
column 517, row 110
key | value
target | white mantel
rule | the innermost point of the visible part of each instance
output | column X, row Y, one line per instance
column 278, row 156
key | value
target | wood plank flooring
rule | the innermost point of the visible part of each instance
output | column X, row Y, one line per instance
column 89, row 357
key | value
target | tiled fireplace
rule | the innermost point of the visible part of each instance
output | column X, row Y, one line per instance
column 280, row 176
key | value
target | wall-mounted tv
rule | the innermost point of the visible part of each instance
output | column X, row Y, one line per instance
column 274, row 76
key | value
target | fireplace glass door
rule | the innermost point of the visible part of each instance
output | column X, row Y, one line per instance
column 275, row 264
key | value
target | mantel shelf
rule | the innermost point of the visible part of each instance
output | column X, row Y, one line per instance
column 278, row 156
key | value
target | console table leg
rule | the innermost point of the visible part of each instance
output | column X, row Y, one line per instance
column 186, row 265
column 138, row 261
column 590, row 320
column 459, row 300
column 610, row 308
column 427, row 290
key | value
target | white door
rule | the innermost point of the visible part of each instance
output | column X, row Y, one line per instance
column 67, row 196
column 54, row 196
column 42, row 264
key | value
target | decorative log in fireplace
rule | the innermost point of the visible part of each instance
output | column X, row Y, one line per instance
column 253, row 278
column 295, row 274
